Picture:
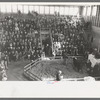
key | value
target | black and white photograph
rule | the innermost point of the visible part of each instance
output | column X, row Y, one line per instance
column 49, row 42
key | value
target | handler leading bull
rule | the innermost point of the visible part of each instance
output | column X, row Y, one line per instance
column 94, row 66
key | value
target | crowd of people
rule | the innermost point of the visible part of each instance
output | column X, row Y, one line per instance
column 71, row 37
column 21, row 37
column 74, row 42
column 3, row 67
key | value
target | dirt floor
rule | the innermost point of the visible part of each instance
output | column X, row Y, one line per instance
column 48, row 69
column 15, row 71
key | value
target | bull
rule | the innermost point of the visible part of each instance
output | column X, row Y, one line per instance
column 77, row 64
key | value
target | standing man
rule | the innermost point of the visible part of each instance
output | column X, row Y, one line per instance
column 64, row 56
column 6, row 61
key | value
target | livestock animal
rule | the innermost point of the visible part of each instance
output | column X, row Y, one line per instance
column 94, row 68
column 77, row 64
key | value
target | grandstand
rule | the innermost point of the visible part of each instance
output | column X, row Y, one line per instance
column 42, row 42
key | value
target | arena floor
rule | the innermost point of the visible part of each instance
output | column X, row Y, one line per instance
column 46, row 69
column 15, row 71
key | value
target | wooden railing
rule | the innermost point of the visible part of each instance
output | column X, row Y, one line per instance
column 27, row 70
column 33, row 77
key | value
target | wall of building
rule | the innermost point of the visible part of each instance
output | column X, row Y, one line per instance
column 92, row 14
column 96, row 34
column 40, row 9
column 94, row 18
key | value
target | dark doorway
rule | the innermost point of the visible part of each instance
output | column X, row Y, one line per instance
column 47, row 46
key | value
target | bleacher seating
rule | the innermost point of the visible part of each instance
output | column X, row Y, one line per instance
column 21, row 35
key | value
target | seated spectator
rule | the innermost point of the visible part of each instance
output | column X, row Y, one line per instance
column 4, row 75
column 59, row 76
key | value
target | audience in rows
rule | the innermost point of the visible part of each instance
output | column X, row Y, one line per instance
column 71, row 36
column 21, row 37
